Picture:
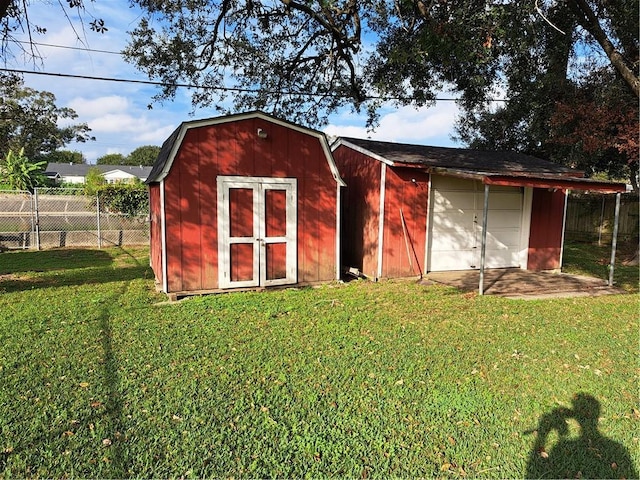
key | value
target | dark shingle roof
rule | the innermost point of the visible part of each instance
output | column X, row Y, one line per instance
column 479, row 161
column 163, row 156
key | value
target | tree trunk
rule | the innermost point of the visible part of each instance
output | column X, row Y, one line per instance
column 590, row 23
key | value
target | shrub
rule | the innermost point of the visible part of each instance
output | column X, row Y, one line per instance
column 130, row 200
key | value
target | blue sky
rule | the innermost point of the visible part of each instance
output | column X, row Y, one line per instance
column 118, row 115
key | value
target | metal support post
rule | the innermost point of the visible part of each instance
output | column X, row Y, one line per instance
column 614, row 240
column 483, row 249
column 35, row 201
column 564, row 228
column 98, row 219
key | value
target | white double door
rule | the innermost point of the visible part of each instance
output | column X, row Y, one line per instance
column 257, row 234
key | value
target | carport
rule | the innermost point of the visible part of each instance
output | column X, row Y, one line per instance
column 552, row 183
column 410, row 210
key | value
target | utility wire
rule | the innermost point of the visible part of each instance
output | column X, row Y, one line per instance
column 66, row 47
column 224, row 89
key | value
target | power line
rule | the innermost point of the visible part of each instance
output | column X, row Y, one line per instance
column 188, row 85
column 66, row 47
column 111, row 79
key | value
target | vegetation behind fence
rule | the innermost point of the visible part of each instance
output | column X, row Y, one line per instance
column 61, row 217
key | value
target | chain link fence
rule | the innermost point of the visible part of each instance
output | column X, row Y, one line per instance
column 65, row 217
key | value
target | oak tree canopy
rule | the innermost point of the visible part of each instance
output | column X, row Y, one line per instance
column 303, row 60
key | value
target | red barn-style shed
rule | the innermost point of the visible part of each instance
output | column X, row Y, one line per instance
column 244, row 201
column 411, row 209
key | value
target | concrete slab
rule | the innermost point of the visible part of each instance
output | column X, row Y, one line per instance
column 517, row 283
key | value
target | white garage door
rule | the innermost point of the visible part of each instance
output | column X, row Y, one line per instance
column 456, row 225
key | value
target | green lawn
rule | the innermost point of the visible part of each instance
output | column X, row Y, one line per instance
column 357, row 380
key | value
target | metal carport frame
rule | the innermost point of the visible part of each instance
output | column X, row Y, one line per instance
column 566, row 184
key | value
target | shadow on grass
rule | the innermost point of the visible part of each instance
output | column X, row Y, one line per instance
column 87, row 276
column 114, row 398
column 112, row 445
column 591, row 455
column 52, row 260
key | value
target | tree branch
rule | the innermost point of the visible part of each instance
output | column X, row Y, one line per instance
column 588, row 20
column 4, row 7
column 210, row 46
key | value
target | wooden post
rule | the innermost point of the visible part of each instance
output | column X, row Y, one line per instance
column 601, row 222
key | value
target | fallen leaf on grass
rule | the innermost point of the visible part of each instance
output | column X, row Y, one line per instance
column 83, row 384
column 106, row 442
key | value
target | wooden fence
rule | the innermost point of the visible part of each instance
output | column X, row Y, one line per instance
column 590, row 218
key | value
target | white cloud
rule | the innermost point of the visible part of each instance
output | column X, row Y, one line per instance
column 156, row 136
column 116, row 123
column 99, row 106
column 117, row 113
column 425, row 125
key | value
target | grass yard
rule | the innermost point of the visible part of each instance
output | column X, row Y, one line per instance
column 360, row 380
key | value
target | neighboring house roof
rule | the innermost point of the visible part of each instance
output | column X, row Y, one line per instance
column 171, row 145
column 490, row 166
column 81, row 169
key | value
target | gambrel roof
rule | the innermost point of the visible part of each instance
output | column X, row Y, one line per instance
column 171, row 145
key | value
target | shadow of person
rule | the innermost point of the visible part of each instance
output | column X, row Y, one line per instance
column 590, row 455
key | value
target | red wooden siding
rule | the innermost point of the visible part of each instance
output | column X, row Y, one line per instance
column 360, row 209
column 545, row 237
column 155, row 232
column 403, row 255
column 233, row 148
column 361, row 215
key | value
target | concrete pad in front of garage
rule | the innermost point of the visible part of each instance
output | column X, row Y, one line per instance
column 518, row 283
